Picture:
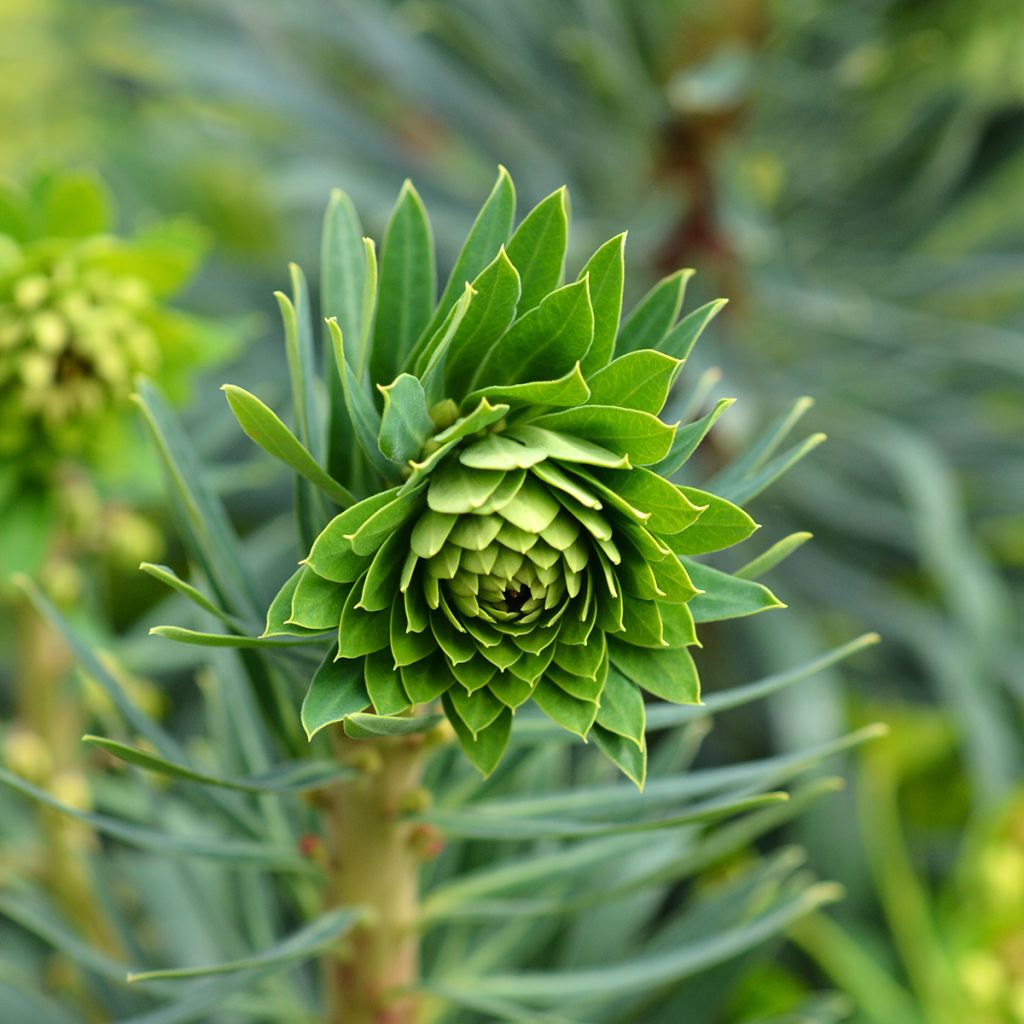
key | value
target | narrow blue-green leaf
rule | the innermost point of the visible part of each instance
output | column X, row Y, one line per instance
column 725, row 596
column 407, row 286
column 681, row 339
column 360, row 726
column 86, row 655
column 165, row 574
column 762, row 449
column 200, row 514
column 309, row 940
column 342, row 279
column 489, row 232
column 651, row 970
column 549, row 340
column 361, row 363
column 436, row 354
column 751, row 486
column 405, row 423
column 689, row 437
column 195, row 1003
column 606, row 271
column 471, row 823
column 199, row 639
column 296, row 777
column 653, row 316
column 768, row 560
column 234, row 852
column 537, row 249
column 337, row 690
column 298, row 343
column 362, row 413
column 266, row 429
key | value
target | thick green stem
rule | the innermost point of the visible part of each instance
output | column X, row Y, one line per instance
column 373, row 861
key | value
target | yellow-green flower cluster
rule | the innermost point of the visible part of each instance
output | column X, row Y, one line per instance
column 82, row 314
column 72, row 338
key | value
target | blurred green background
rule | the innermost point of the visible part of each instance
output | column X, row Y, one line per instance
column 851, row 177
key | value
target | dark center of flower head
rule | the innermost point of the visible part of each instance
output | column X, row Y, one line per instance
column 515, row 596
column 70, row 366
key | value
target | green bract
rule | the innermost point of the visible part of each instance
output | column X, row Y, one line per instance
column 508, row 531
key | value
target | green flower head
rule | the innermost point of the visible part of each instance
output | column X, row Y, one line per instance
column 508, row 531
column 81, row 315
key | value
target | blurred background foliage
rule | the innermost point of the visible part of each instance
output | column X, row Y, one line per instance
column 849, row 176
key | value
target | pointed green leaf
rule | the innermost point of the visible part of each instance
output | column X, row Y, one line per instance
column 332, row 555
column 427, row 679
column 477, row 709
column 568, row 390
column 267, row 430
column 435, row 355
column 566, row 448
column 622, row 708
column 384, row 684
column 499, row 452
column 337, row 690
column 571, row 713
column 361, row 632
column 317, row 602
column 280, row 610
column 388, row 518
column 537, row 249
column 630, row 759
column 720, row 525
column 606, row 271
column 493, row 308
column 456, row 489
column 637, row 380
column 488, row 234
column 407, row 285
column 484, row 750
column 653, row 316
column 405, row 423
column 725, row 596
column 298, row 335
column 547, row 341
column 671, row 510
column 681, row 339
column 639, row 436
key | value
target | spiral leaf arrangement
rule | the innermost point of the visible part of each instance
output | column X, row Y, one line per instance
column 509, row 531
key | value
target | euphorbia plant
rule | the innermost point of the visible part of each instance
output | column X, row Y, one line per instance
column 508, row 532
column 491, row 549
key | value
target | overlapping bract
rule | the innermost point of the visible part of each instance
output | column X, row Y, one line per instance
column 519, row 539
